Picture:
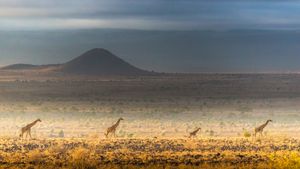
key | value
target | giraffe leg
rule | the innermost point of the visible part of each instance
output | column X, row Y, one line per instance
column 21, row 135
column 29, row 132
column 112, row 133
column 115, row 133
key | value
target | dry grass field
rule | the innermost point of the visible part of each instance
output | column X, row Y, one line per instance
column 150, row 153
column 159, row 112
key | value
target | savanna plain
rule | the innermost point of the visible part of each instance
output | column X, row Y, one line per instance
column 159, row 114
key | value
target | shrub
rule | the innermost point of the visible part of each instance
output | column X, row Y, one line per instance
column 247, row 134
column 61, row 134
column 81, row 158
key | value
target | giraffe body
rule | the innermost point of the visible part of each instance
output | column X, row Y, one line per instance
column 194, row 133
column 260, row 128
column 113, row 128
column 27, row 129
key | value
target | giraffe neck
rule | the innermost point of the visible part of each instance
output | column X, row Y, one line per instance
column 33, row 123
column 117, row 123
column 264, row 125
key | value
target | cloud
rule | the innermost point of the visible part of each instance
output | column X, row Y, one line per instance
column 127, row 23
column 154, row 14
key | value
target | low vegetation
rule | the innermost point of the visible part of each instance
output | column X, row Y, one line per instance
column 148, row 153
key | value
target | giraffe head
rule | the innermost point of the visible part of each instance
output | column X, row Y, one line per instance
column 39, row 120
column 121, row 119
column 269, row 121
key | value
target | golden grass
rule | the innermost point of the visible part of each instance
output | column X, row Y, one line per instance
column 150, row 153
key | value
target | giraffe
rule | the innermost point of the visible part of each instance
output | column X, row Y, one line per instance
column 113, row 128
column 194, row 133
column 27, row 128
column 260, row 128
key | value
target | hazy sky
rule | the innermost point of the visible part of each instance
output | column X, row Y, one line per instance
column 149, row 15
column 161, row 35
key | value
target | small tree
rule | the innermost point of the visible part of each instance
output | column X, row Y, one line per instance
column 61, row 134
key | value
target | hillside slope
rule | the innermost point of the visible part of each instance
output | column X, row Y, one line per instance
column 97, row 61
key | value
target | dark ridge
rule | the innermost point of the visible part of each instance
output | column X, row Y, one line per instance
column 19, row 67
column 100, row 61
column 97, row 61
